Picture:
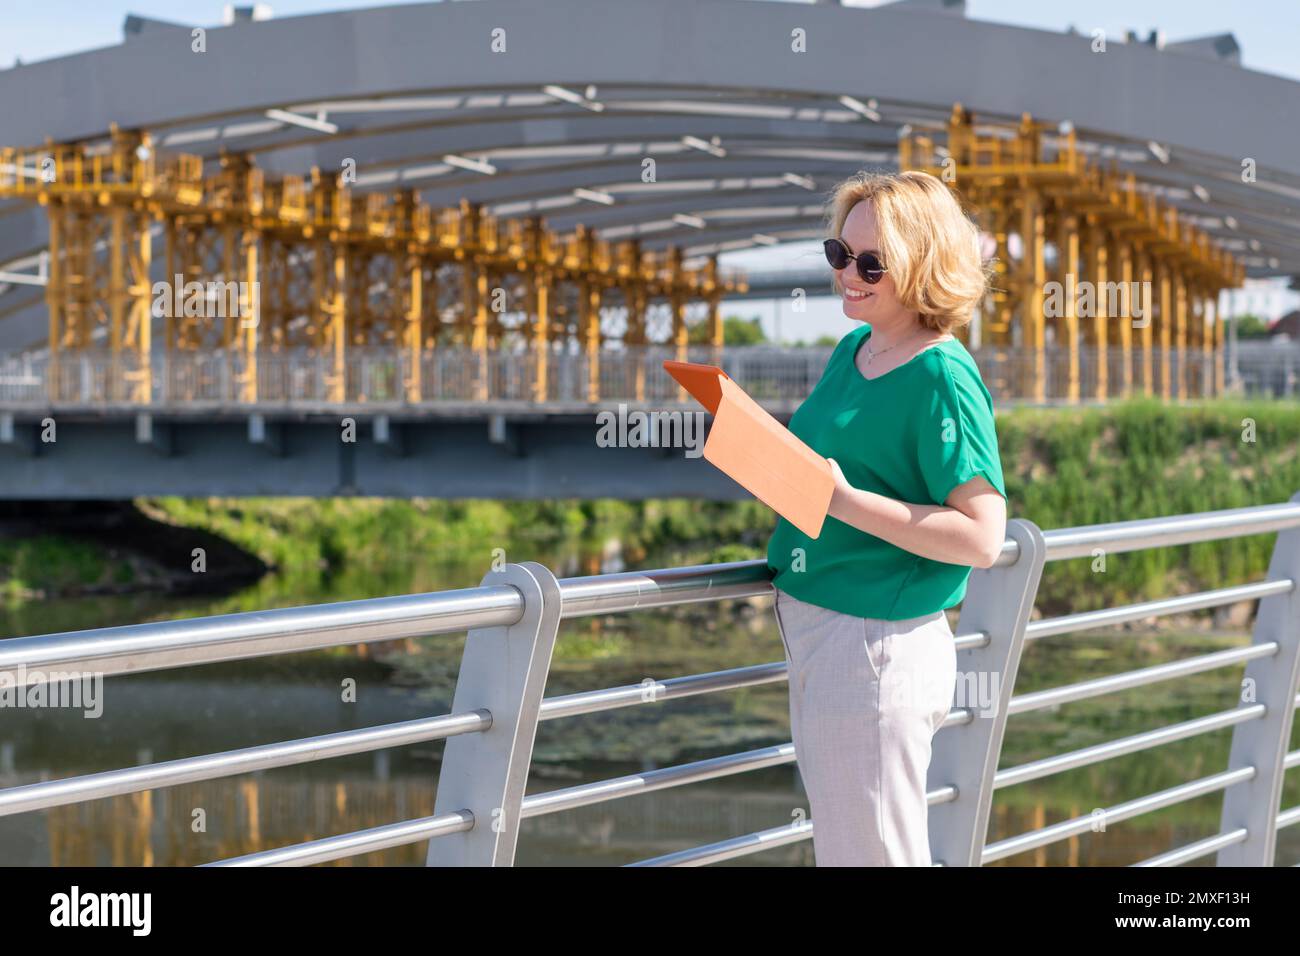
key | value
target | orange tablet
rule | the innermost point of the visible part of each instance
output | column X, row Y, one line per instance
column 758, row 452
column 702, row 381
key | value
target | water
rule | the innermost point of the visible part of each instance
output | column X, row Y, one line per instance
column 172, row 714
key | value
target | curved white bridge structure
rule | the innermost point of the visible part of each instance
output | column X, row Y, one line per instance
column 518, row 105
column 750, row 112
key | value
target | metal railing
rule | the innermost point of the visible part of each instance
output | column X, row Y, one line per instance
column 386, row 377
column 185, row 380
column 513, row 618
column 1266, row 366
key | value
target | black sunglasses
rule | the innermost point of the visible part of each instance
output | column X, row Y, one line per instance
column 870, row 268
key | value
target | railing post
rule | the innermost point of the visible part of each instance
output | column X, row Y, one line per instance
column 503, row 671
column 1262, row 744
column 998, row 602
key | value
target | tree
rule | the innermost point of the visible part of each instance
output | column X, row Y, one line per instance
column 1251, row 327
column 735, row 331
column 820, row 342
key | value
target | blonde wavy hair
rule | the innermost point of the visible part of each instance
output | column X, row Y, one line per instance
column 929, row 246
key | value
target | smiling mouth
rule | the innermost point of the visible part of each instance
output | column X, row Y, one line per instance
column 857, row 295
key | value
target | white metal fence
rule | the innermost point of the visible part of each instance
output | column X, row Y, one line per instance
column 385, row 376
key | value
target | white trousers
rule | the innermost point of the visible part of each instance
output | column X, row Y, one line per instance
column 866, row 697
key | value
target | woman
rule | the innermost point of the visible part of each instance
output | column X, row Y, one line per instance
column 919, row 500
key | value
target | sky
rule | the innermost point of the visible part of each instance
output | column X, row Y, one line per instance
column 1268, row 32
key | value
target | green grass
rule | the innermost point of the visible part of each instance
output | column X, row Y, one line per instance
column 54, row 564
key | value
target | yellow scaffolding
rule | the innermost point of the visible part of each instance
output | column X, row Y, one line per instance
column 1111, row 243
column 312, row 268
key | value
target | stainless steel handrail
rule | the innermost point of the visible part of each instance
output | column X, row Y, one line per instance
column 757, row 842
column 639, row 590
column 553, row 801
column 657, row 692
column 736, row 847
column 1141, row 533
column 1127, row 680
column 1034, row 839
column 170, row 773
column 1110, row 616
column 1194, row 851
column 362, row 841
column 237, row 636
column 1136, row 743
column 168, row 644
column 226, row 637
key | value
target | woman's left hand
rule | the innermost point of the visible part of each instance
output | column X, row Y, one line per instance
column 842, row 488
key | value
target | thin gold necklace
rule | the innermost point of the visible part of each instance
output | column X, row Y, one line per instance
column 872, row 353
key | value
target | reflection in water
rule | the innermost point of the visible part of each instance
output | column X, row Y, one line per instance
column 256, row 813
column 259, row 812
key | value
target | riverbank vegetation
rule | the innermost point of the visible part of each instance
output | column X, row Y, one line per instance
column 1062, row 466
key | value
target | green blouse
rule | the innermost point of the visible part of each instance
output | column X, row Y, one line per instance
column 913, row 434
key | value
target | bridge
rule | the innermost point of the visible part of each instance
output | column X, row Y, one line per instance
column 472, row 243
column 513, row 619
column 464, row 188
column 643, row 439
column 428, row 254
